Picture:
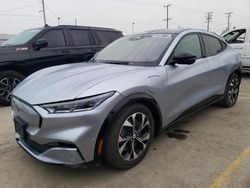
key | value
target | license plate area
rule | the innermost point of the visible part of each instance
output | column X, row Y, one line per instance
column 20, row 128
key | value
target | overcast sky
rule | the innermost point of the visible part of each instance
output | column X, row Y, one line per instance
column 18, row 15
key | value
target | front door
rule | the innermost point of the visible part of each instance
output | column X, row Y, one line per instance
column 56, row 53
column 188, row 84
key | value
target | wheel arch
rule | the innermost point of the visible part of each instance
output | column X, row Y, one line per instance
column 141, row 98
column 12, row 66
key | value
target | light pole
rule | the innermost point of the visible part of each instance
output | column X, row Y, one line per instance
column 229, row 15
column 133, row 24
column 44, row 14
column 58, row 20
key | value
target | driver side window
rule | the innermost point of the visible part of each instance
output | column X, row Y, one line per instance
column 189, row 44
column 55, row 38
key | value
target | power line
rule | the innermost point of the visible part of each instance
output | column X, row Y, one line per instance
column 51, row 12
column 167, row 18
column 21, row 15
column 228, row 15
column 209, row 17
column 18, row 8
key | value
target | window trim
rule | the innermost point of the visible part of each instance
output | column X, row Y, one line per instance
column 205, row 52
column 193, row 33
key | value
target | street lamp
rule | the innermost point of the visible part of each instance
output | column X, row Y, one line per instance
column 58, row 20
column 133, row 27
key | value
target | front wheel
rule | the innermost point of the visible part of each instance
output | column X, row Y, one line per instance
column 232, row 92
column 129, row 137
column 8, row 81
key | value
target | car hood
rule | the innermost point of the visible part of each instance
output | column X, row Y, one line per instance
column 67, row 82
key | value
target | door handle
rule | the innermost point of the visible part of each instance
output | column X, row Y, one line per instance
column 238, row 47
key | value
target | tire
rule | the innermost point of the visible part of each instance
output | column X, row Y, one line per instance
column 232, row 91
column 125, row 144
column 8, row 81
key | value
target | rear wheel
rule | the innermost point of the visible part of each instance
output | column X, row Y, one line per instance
column 232, row 91
column 8, row 81
column 129, row 137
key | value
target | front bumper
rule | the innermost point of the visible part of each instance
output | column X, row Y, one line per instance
column 68, row 139
column 56, row 155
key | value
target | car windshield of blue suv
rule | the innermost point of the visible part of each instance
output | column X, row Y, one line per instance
column 138, row 50
column 22, row 37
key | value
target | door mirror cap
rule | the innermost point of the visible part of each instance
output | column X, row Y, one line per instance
column 40, row 43
column 184, row 59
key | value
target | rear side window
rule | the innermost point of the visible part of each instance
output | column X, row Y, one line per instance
column 212, row 45
column 189, row 44
column 107, row 37
column 55, row 38
column 81, row 37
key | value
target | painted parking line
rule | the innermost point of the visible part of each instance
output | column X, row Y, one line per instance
column 225, row 176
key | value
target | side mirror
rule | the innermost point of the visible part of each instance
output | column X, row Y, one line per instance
column 184, row 59
column 40, row 43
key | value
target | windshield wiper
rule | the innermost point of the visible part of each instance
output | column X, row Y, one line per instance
column 117, row 62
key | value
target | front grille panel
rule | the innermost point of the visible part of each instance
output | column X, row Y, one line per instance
column 27, row 114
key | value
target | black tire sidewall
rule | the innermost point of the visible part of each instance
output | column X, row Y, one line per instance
column 111, row 153
column 225, row 102
column 13, row 74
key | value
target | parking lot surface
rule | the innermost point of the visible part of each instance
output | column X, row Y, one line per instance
column 210, row 149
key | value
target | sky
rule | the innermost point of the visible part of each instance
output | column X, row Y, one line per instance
column 18, row 15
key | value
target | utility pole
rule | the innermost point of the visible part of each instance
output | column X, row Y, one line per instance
column 167, row 18
column 75, row 22
column 133, row 24
column 58, row 20
column 209, row 17
column 229, row 15
column 44, row 14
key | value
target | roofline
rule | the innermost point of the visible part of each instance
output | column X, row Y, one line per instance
column 84, row 27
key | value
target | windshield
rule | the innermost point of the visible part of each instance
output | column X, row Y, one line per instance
column 22, row 37
column 143, row 50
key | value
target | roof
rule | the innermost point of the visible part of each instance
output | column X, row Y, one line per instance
column 83, row 27
column 167, row 31
column 173, row 31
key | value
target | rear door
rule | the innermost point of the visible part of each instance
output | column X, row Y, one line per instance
column 188, row 84
column 56, row 53
column 82, row 44
column 218, row 58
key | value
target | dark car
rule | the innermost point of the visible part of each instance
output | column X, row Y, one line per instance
column 35, row 49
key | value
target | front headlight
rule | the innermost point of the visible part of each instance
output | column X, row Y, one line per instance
column 77, row 105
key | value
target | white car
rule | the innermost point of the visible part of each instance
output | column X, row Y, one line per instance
column 239, row 39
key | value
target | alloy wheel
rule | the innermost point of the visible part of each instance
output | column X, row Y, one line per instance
column 134, row 136
column 234, row 90
column 6, row 87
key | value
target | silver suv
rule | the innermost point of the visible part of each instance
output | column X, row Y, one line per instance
column 111, row 107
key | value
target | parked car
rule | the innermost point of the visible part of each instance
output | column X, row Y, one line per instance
column 239, row 39
column 35, row 49
column 113, row 106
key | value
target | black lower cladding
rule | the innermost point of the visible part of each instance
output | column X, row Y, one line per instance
column 20, row 127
